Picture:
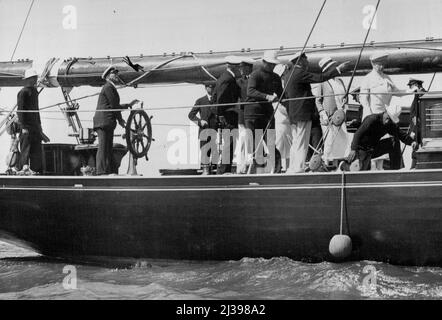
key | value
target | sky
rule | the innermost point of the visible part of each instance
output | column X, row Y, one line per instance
column 80, row 28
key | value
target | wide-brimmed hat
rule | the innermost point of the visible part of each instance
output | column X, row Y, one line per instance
column 30, row 73
column 379, row 56
column 271, row 56
column 326, row 63
column 109, row 70
column 412, row 81
column 394, row 112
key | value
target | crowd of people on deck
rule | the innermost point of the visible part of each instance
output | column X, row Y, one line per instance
column 264, row 96
column 299, row 106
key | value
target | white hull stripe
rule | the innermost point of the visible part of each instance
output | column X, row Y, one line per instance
column 237, row 188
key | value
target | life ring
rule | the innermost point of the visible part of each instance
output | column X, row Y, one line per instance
column 138, row 133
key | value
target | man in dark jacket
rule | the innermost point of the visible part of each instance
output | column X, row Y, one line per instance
column 228, row 91
column 206, row 120
column 30, row 124
column 415, row 85
column 264, row 88
column 301, row 112
column 245, row 68
column 105, row 121
column 367, row 143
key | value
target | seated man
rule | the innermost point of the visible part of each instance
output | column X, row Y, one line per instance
column 367, row 143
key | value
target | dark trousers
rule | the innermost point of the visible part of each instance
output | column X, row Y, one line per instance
column 31, row 152
column 209, row 152
column 315, row 137
column 231, row 118
column 261, row 123
column 254, row 124
column 391, row 146
column 105, row 157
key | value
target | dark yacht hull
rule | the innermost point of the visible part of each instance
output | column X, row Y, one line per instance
column 394, row 217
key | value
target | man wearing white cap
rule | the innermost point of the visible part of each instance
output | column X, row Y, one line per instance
column 368, row 143
column 105, row 121
column 329, row 98
column 31, row 152
column 264, row 88
column 302, row 107
column 228, row 92
column 377, row 88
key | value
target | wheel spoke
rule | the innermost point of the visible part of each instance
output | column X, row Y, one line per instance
column 139, row 121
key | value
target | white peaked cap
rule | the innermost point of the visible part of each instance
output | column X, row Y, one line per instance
column 233, row 59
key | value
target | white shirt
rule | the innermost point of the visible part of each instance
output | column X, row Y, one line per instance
column 378, row 85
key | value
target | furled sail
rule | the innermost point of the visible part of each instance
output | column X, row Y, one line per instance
column 405, row 57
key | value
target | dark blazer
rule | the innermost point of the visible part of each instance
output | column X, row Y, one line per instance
column 226, row 91
column 261, row 83
column 27, row 99
column 108, row 99
column 206, row 113
column 298, row 86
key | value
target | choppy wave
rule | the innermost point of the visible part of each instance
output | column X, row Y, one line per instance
column 35, row 277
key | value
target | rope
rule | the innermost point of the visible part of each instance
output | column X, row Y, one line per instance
column 22, row 29
column 157, row 67
column 285, row 87
column 203, row 67
column 360, row 52
column 44, row 109
column 347, row 91
column 342, row 196
column 431, row 82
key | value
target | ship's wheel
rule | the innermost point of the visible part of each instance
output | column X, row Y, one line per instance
column 138, row 133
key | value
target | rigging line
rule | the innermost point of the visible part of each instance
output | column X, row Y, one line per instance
column 203, row 67
column 285, row 87
column 157, row 67
column 22, row 29
column 431, row 82
column 347, row 90
column 201, row 106
column 360, row 52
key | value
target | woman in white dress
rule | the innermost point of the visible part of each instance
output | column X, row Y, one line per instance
column 330, row 97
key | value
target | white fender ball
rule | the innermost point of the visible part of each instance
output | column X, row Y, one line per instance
column 340, row 246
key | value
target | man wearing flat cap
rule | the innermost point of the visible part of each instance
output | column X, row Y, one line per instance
column 206, row 120
column 302, row 108
column 415, row 85
column 368, row 143
column 105, row 121
column 263, row 89
column 227, row 91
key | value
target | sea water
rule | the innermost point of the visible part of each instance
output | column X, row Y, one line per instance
column 26, row 275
